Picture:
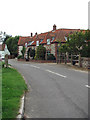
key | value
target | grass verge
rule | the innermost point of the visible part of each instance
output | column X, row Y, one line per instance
column 13, row 87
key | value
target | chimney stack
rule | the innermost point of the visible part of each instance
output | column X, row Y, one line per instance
column 31, row 34
column 54, row 27
column 36, row 33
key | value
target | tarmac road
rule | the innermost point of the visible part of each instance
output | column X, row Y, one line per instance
column 55, row 91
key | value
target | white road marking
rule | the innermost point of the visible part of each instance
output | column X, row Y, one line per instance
column 87, row 86
column 35, row 66
column 56, row 73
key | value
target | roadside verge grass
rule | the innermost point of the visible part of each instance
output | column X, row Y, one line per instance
column 13, row 87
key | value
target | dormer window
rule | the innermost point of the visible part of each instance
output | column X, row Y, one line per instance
column 29, row 43
column 48, row 41
column 41, row 40
column 52, row 39
column 37, row 43
column 25, row 45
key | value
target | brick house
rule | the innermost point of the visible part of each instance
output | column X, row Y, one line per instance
column 48, row 39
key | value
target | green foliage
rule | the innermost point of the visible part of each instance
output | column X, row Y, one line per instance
column 20, row 57
column 77, row 43
column 32, row 53
column 13, row 87
column 23, row 51
column 12, row 44
column 7, row 36
column 51, row 57
column 40, row 53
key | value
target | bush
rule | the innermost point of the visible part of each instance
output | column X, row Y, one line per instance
column 20, row 57
column 40, row 53
column 51, row 57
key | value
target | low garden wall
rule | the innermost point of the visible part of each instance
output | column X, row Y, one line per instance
column 85, row 62
column 11, row 56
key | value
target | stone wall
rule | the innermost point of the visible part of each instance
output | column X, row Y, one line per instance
column 85, row 62
column 19, row 50
column 39, row 61
column 53, row 49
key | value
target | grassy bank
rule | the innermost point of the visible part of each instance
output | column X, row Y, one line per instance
column 13, row 87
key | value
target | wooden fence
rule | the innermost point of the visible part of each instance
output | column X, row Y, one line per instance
column 73, row 59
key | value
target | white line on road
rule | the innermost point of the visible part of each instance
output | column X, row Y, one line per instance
column 56, row 73
column 87, row 86
column 35, row 66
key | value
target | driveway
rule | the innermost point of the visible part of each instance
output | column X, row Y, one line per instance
column 55, row 91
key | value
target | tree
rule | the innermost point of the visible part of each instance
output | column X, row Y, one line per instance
column 23, row 51
column 77, row 43
column 12, row 44
column 40, row 53
column 7, row 36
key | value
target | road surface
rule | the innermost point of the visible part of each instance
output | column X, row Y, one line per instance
column 55, row 91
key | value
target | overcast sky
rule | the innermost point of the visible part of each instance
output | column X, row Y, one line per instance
column 21, row 17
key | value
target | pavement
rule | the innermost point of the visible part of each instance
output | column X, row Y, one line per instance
column 55, row 91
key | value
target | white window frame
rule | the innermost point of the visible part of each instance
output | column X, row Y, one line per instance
column 37, row 43
column 48, row 41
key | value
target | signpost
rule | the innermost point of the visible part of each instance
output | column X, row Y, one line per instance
column 6, row 55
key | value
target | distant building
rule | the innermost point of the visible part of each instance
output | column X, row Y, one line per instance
column 3, row 51
column 49, row 40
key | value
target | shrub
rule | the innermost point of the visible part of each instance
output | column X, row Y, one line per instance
column 51, row 57
column 40, row 53
column 20, row 57
column 23, row 52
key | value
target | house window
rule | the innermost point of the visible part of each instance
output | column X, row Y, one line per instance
column 26, row 45
column 41, row 40
column 52, row 39
column 29, row 43
column 48, row 41
column 37, row 43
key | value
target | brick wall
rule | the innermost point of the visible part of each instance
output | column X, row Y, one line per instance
column 39, row 61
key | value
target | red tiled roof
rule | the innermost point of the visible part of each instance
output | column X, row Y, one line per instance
column 23, row 40
column 59, row 34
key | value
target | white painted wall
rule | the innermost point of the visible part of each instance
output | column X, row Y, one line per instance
column 2, row 54
column 19, row 49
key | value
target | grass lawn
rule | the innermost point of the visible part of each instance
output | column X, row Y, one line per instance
column 13, row 87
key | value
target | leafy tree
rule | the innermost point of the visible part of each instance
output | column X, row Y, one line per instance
column 7, row 36
column 12, row 44
column 32, row 53
column 23, row 51
column 40, row 53
column 77, row 43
